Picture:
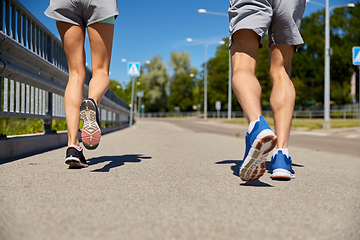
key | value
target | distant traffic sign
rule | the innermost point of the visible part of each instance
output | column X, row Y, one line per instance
column 356, row 55
column 134, row 69
column 218, row 105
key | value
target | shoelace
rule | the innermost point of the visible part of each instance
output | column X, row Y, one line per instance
column 90, row 124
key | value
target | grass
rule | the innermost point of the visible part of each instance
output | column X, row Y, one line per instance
column 18, row 126
column 310, row 124
column 10, row 126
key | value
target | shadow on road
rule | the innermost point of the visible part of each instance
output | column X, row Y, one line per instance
column 236, row 167
column 256, row 183
column 115, row 161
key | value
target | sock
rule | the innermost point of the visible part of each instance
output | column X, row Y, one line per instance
column 252, row 125
column 76, row 147
column 284, row 151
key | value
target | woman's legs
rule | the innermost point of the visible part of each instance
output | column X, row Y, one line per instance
column 73, row 37
column 101, row 38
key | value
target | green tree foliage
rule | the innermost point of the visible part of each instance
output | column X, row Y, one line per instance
column 121, row 90
column 308, row 63
column 155, row 82
column 181, row 93
column 218, row 79
column 345, row 34
column 182, row 85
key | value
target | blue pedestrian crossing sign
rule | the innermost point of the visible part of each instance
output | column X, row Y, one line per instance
column 356, row 55
column 134, row 69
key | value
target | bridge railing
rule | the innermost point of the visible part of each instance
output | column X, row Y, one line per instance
column 350, row 111
column 34, row 71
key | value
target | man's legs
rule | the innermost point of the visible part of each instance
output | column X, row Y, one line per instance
column 244, row 82
column 73, row 37
column 282, row 102
column 260, row 139
column 282, row 97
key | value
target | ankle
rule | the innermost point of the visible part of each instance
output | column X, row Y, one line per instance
column 285, row 151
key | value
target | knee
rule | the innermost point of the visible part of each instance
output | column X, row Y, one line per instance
column 100, row 72
column 241, row 72
column 77, row 77
column 279, row 75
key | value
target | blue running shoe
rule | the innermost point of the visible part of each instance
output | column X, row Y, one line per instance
column 259, row 142
column 282, row 167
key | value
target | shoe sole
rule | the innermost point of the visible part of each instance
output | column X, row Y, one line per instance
column 282, row 174
column 254, row 165
column 90, row 135
column 74, row 163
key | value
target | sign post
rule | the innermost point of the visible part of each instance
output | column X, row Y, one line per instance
column 133, row 71
column 218, row 108
column 139, row 94
column 356, row 62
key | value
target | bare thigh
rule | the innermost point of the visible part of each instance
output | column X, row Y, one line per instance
column 73, row 38
column 101, row 38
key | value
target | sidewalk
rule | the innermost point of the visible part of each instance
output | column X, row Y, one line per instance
column 159, row 181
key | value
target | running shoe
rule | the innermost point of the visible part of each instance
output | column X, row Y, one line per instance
column 259, row 142
column 91, row 133
column 75, row 158
column 282, row 167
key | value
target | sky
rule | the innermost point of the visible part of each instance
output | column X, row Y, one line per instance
column 146, row 28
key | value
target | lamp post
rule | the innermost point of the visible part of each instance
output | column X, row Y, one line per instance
column 327, row 124
column 205, row 69
column 203, row 11
column 213, row 13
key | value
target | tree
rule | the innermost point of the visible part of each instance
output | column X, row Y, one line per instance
column 120, row 90
column 182, row 85
column 155, row 82
column 218, row 77
column 308, row 63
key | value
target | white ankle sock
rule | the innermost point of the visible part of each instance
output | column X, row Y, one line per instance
column 284, row 151
column 252, row 125
column 76, row 147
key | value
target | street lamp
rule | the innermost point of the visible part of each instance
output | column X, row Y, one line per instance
column 205, row 69
column 213, row 13
column 327, row 124
column 203, row 11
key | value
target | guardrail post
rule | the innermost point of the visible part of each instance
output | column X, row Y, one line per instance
column 7, row 17
column 1, row 18
column 50, row 49
column 48, row 122
column 1, row 93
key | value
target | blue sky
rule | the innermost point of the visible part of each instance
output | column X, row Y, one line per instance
column 148, row 28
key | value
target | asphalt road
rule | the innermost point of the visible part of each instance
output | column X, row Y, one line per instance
column 157, row 180
column 338, row 141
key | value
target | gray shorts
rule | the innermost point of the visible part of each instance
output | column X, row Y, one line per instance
column 82, row 12
column 281, row 18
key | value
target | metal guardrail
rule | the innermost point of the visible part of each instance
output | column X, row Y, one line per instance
column 34, row 71
column 344, row 112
